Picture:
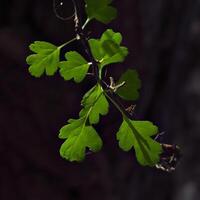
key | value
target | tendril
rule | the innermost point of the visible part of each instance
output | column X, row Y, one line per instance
column 57, row 6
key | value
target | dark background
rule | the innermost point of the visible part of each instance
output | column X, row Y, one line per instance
column 163, row 37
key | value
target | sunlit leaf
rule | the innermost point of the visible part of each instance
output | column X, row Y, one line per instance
column 78, row 137
column 75, row 67
column 100, row 10
column 108, row 49
column 137, row 135
column 45, row 59
column 95, row 104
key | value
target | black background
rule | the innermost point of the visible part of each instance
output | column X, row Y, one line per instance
column 163, row 37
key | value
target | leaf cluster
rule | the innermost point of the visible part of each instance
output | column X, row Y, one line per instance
column 80, row 134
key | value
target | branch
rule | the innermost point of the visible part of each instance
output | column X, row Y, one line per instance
column 82, row 36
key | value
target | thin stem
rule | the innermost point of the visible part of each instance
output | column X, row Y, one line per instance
column 86, row 23
column 117, row 104
column 66, row 43
column 114, row 103
column 80, row 34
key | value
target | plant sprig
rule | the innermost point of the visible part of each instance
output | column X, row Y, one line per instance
column 80, row 134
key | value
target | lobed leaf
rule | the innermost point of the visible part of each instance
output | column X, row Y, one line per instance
column 75, row 67
column 78, row 137
column 108, row 49
column 45, row 59
column 95, row 104
column 129, row 91
column 137, row 135
column 100, row 10
column 72, row 125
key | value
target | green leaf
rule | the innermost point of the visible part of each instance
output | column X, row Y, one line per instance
column 66, row 130
column 97, row 51
column 46, row 58
column 100, row 10
column 108, row 48
column 118, row 53
column 95, row 104
column 137, row 135
column 129, row 91
column 75, row 67
column 109, row 34
column 114, row 53
column 78, row 137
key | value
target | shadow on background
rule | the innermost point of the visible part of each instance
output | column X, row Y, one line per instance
column 164, row 42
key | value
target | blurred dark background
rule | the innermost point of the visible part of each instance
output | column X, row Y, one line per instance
column 163, row 37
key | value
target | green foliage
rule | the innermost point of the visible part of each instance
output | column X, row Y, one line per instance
column 46, row 58
column 79, row 134
column 75, row 67
column 137, row 135
column 108, row 49
column 78, row 137
column 132, row 84
column 95, row 102
column 100, row 10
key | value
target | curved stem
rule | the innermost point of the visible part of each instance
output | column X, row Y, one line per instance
column 55, row 8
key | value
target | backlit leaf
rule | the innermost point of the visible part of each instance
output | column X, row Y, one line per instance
column 95, row 104
column 78, row 137
column 75, row 67
column 45, row 59
column 108, row 49
column 100, row 10
column 137, row 135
